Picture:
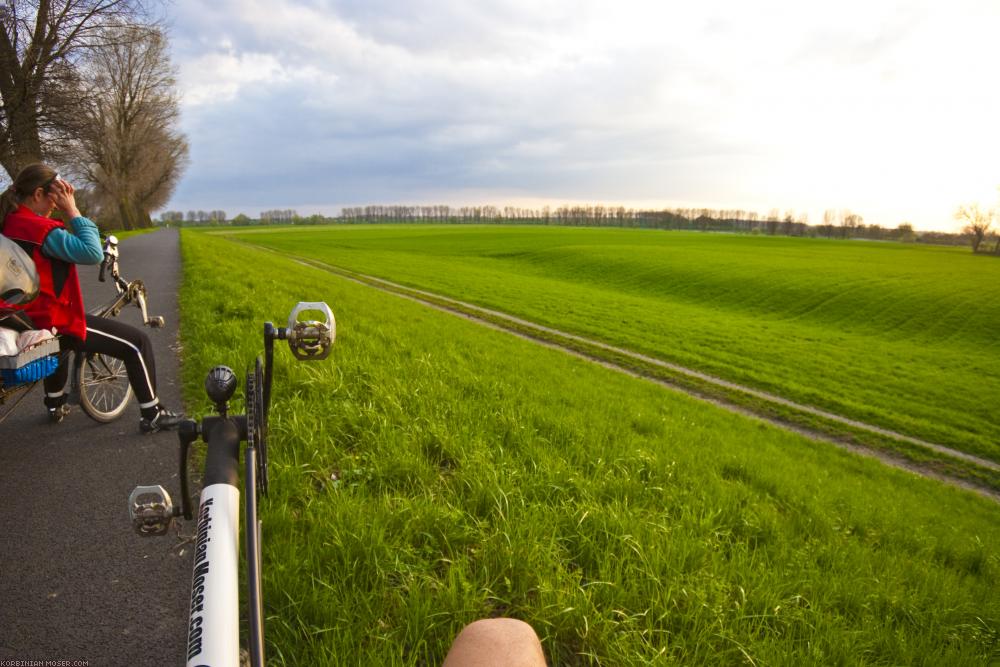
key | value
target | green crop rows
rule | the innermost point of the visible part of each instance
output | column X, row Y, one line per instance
column 901, row 336
column 433, row 471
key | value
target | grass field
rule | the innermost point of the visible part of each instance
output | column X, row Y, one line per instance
column 433, row 472
column 902, row 336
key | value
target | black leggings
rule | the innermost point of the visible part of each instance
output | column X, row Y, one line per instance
column 115, row 339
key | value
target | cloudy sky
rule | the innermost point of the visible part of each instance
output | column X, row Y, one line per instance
column 889, row 108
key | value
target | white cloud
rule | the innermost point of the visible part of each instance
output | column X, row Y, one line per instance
column 218, row 77
column 886, row 108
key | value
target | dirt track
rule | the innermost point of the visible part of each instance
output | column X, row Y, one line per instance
column 75, row 582
column 498, row 320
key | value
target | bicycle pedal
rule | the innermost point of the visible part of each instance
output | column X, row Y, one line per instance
column 151, row 510
column 311, row 340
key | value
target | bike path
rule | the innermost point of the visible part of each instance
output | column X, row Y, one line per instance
column 76, row 583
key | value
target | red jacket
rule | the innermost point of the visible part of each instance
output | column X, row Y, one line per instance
column 60, row 302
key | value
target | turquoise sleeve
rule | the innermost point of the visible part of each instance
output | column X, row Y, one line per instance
column 83, row 246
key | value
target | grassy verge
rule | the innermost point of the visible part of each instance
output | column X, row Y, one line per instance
column 433, row 472
column 122, row 234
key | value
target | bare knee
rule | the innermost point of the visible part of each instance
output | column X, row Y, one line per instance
column 496, row 642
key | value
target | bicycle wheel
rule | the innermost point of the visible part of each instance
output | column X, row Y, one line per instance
column 104, row 387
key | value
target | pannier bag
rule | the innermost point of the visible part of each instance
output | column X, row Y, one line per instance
column 27, row 357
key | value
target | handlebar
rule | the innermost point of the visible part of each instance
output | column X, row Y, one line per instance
column 128, row 292
column 110, row 257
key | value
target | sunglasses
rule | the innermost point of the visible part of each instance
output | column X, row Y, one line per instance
column 48, row 184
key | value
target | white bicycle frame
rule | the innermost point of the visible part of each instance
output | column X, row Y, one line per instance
column 213, row 625
column 214, row 584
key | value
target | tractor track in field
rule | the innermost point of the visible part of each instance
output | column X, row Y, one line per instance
column 542, row 335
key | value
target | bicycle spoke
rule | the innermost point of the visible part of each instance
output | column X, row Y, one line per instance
column 105, row 382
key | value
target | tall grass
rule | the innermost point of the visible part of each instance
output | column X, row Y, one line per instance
column 898, row 335
column 433, row 472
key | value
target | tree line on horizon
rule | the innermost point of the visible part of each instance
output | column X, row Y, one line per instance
column 837, row 224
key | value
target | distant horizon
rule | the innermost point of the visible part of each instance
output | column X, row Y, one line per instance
column 455, row 212
column 334, row 211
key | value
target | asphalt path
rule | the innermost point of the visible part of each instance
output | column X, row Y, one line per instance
column 76, row 583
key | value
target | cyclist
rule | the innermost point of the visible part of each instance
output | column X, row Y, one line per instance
column 56, row 249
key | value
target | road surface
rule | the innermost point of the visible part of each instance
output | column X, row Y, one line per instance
column 76, row 584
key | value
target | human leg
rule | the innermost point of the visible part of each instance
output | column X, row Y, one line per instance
column 133, row 347
column 55, row 384
column 496, row 642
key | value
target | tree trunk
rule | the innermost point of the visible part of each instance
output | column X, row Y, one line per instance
column 132, row 216
column 125, row 214
column 24, row 146
column 976, row 240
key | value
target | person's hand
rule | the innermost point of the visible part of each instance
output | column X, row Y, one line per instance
column 61, row 194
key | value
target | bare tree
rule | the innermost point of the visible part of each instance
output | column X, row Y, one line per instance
column 131, row 150
column 41, row 45
column 850, row 223
column 977, row 223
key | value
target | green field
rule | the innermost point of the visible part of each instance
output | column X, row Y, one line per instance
column 901, row 336
column 434, row 471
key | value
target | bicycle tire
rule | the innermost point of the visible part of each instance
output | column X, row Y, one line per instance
column 105, row 391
